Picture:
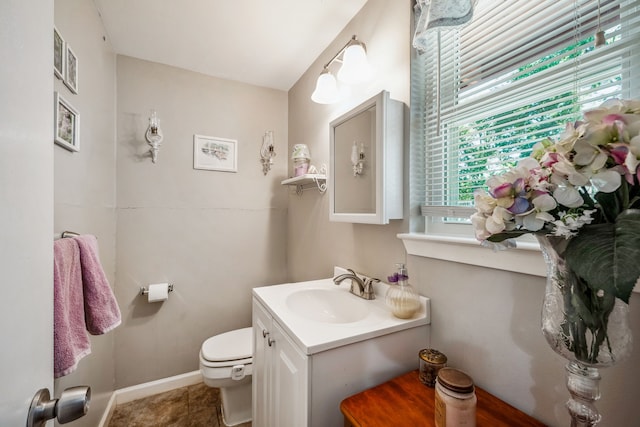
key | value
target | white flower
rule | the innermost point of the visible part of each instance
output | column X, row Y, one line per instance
column 496, row 223
column 562, row 230
column 606, row 181
column 590, row 155
column 565, row 169
column 572, row 132
column 532, row 223
column 484, row 202
column 536, row 218
column 544, row 203
column 526, row 165
column 569, row 223
column 479, row 222
column 631, row 161
column 568, row 196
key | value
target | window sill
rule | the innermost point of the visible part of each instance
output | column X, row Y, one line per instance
column 526, row 258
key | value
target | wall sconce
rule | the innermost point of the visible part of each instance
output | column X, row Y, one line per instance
column 357, row 158
column 355, row 69
column 267, row 151
column 154, row 135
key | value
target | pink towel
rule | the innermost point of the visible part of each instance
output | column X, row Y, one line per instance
column 70, row 339
column 102, row 313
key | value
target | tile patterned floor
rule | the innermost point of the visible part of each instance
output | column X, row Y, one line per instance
column 192, row 406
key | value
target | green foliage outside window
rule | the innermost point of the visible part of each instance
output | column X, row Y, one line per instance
column 498, row 142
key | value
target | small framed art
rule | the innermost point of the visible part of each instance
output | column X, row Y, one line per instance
column 216, row 154
column 58, row 54
column 71, row 70
column 67, row 124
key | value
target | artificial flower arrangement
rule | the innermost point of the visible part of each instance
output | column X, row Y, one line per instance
column 581, row 197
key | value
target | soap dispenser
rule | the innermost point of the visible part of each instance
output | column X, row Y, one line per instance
column 401, row 297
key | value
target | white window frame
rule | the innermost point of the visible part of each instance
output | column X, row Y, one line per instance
column 455, row 242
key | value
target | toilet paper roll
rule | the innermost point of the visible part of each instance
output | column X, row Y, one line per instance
column 158, row 292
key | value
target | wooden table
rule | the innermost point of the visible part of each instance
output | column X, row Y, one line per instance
column 406, row 402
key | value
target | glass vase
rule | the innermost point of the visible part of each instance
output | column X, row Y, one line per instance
column 585, row 326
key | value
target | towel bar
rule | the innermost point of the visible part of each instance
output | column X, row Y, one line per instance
column 65, row 234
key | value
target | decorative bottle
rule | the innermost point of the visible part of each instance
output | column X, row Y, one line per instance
column 401, row 297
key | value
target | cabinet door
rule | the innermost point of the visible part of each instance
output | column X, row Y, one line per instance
column 290, row 383
column 260, row 392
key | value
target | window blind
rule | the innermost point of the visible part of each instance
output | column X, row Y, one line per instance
column 483, row 95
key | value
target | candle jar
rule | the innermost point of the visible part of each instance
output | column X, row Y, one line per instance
column 455, row 401
column 431, row 361
column 301, row 159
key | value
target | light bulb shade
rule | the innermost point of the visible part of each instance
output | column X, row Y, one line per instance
column 355, row 66
column 326, row 91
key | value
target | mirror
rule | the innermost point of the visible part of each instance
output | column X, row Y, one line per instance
column 366, row 163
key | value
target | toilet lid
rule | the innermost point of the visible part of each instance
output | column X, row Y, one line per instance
column 232, row 345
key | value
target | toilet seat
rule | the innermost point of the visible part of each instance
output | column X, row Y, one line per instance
column 225, row 364
column 227, row 349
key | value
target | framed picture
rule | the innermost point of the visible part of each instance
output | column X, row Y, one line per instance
column 67, row 124
column 58, row 54
column 216, row 154
column 71, row 71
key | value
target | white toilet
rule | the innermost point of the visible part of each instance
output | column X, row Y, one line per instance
column 226, row 363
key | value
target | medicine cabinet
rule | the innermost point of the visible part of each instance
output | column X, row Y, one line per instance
column 366, row 155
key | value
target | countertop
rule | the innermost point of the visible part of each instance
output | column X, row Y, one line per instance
column 313, row 337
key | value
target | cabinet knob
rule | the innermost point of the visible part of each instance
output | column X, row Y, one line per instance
column 270, row 341
column 264, row 333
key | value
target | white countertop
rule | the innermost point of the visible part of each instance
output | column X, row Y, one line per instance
column 315, row 336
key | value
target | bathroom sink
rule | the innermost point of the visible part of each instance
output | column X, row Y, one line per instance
column 319, row 316
column 327, row 305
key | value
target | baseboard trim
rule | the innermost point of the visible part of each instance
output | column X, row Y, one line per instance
column 108, row 412
column 139, row 391
column 143, row 390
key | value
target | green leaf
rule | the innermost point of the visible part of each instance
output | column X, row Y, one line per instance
column 606, row 256
column 585, row 312
column 610, row 205
column 500, row 237
column 628, row 252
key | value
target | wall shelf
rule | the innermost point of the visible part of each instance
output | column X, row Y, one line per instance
column 308, row 181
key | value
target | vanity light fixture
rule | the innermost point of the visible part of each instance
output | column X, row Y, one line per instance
column 357, row 158
column 153, row 135
column 355, row 69
column 267, row 151
column 326, row 89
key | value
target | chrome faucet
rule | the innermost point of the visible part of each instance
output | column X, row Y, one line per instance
column 362, row 287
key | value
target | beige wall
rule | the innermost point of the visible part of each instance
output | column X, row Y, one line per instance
column 84, row 182
column 315, row 245
column 214, row 235
column 486, row 321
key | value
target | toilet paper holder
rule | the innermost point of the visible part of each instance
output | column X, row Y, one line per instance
column 145, row 291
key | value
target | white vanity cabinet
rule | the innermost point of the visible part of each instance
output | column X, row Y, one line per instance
column 280, row 383
column 303, row 368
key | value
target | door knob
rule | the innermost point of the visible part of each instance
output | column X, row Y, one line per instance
column 73, row 404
